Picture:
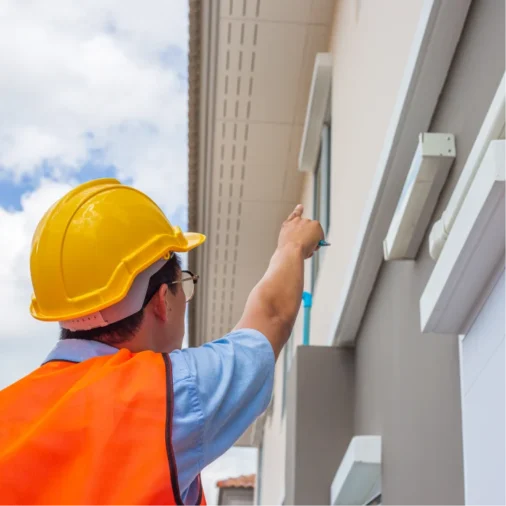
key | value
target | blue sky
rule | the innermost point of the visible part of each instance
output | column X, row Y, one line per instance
column 11, row 191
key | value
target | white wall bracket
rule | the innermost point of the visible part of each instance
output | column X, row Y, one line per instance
column 429, row 169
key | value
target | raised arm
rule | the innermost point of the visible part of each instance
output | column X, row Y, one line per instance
column 273, row 304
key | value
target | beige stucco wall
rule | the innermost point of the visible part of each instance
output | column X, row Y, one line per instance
column 370, row 44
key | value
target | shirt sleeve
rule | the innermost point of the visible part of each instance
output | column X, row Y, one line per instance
column 220, row 388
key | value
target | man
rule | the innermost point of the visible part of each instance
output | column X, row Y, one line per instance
column 118, row 413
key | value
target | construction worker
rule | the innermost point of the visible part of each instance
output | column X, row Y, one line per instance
column 118, row 413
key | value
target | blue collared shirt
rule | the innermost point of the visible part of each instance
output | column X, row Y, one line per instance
column 220, row 388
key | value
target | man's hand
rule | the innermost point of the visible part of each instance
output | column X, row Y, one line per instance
column 302, row 232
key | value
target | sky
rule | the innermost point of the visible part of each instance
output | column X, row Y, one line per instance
column 89, row 89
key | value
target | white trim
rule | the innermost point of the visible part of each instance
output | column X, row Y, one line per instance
column 432, row 52
column 492, row 128
column 472, row 253
column 208, row 76
column 461, row 383
column 359, row 473
column 316, row 112
column 429, row 169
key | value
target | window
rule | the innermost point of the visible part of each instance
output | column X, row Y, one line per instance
column 321, row 196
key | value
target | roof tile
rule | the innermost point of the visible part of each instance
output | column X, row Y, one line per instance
column 239, row 482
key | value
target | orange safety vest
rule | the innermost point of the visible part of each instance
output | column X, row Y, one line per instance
column 95, row 432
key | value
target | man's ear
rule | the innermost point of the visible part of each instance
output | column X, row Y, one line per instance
column 160, row 303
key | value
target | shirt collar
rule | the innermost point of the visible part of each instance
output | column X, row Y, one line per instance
column 78, row 350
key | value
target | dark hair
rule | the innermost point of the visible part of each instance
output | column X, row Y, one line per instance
column 124, row 330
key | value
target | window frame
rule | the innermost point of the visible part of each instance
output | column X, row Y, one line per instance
column 322, row 195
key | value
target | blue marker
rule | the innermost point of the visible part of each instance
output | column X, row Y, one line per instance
column 323, row 243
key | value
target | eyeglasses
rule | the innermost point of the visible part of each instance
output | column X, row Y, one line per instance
column 188, row 281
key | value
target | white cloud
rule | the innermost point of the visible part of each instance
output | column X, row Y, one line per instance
column 16, row 230
column 93, row 75
column 24, row 341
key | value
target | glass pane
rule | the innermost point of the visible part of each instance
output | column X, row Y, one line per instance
column 324, row 179
column 316, row 216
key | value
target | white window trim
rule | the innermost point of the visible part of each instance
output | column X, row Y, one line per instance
column 473, row 254
column 433, row 48
column 359, row 474
column 317, row 112
column 321, row 196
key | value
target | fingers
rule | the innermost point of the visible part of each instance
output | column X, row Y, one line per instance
column 296, row 213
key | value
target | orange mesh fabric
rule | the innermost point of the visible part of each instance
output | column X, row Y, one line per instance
column 96, row 432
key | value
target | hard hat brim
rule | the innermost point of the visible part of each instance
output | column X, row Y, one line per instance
column 194, row 240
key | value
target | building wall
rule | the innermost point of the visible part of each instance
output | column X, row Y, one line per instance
column 370, row 46
column 407, row 383
column 319, row 421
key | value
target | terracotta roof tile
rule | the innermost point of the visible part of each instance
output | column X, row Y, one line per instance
column 239, row 482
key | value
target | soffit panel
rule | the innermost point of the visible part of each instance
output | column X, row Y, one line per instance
column 249, row 161
column 288, row 11
column 280, row 50
column 267, row 156
column 292, row 180
column 236, row 69
column 261, row 223
column 322, row 11
column 266, row 53
column 293, row 11
column 235, row 269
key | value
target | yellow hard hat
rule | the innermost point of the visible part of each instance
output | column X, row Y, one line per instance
column 91, row 244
